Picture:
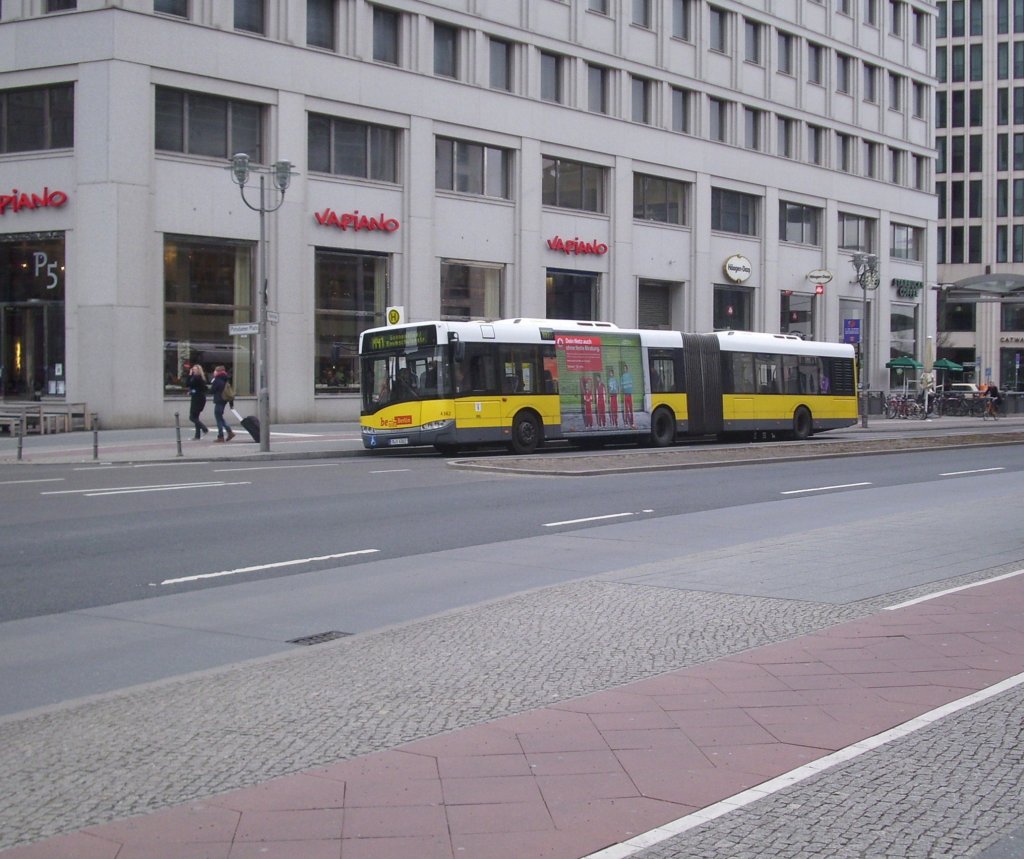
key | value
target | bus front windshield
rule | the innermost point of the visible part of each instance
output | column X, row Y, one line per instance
column 403, row 375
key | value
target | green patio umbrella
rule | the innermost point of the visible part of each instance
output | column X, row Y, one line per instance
column 946, row 364
column 904, row 362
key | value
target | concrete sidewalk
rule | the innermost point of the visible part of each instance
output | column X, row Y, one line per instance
column 650, row 768
column 297, row 441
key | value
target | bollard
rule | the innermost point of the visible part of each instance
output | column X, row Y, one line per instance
column 177, row 431
column 18, row 429
column 95, row 436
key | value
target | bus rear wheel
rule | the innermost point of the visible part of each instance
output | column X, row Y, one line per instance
column 525, row 433
column 802, row 424
column 663, row 428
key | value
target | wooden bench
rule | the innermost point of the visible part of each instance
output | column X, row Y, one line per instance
column 14, row 424
column 66, row 417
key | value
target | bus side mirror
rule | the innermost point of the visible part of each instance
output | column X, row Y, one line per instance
column 458, row 347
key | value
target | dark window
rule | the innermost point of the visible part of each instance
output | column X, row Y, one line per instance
column 320, row 24
column 249, row 16
column 659, row 199
column 41, row 118
column 471, row 168
column 734, row 212
column 348, row 148
column 60, row 5
column 572, row 185
column 171, row 7
column 385, row 36
column 208, row 125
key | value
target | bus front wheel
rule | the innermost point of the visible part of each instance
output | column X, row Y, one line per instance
column 663, row 428
column 802, row 424
column 525, row 433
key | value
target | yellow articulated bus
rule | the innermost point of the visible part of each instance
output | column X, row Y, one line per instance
column 524, row 382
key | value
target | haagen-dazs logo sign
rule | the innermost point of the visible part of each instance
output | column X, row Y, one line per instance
column 737, row 268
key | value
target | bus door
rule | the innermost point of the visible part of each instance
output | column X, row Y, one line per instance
column 478, row 404
column 703, row 367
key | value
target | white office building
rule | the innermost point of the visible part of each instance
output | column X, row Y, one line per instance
column 656, row 163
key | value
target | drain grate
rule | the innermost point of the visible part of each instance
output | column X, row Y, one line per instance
column 320, row 637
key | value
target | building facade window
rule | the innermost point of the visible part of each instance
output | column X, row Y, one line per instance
column 597, row 89
column 642, row 13
column 344, row 147
column 784, row 58
column 501, row 64
column 250, row 15
column 351, row 295
column 659, row 199
column 796, row 314
column 572, row 294
column 719, row 30
column 471, row 168
column 753, row 121
column 844, row 152
column 387, row 31
column 682, row 100
column 471, row 290
column 551, row 77
column 871, row 168
column 37, row 118
column 907, row 242
column 642, row 99
column 600, row 6
column 320, row 28
column 856, row 233
column 718, row 120
column 60, row 5
column 895, row 92
column 752, row 41
column 446, row 51
column 785, row 145
column 799, row 223
column 732, row 308
column 32, row 348
column 844, row 66
column 870, row 83
column 682, row 19
column 734, row 212
column 815, row 64
column 208, row 285
column 171, row 7
column 815, row 144
column 207, row 125
column 572, row 185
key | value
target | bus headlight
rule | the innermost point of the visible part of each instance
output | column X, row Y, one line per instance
column 432, row 426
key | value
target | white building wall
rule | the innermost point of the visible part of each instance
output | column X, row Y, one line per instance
column 124, row 197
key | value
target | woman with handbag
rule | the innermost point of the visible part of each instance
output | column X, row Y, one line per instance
column 197, row 394
column 223, row 394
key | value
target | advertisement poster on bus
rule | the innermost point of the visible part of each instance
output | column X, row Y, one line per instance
column 601, row 382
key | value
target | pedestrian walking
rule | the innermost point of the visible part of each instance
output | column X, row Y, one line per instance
column 223, row 395
column 197, row 388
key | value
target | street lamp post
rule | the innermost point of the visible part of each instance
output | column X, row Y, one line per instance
column 281, row 172
column 866, row 266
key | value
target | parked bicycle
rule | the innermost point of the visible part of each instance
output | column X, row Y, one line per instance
column 900, row 406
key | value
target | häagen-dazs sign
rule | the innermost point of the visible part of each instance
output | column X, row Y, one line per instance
column 737, row 268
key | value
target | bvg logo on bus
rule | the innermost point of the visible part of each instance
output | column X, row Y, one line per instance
column 397, row 421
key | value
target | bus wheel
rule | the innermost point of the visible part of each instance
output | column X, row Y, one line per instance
column 663, row 428
column 802, row 424
column 525, row 433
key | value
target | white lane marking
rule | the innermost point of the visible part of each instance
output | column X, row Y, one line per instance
column 823, row 488
column 101, row 493
column 684, row 824
column 593, row 519
column 937, row 594
column 36, row 480
column 273, row 467
column 259, row 567
column 972, row 471
column 391, row 471
column 156, row 487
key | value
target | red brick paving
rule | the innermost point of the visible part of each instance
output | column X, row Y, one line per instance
column 568, row 779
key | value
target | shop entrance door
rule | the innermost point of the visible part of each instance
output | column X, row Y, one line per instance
column 31, row 352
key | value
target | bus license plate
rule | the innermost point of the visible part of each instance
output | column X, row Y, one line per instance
column 395, row 441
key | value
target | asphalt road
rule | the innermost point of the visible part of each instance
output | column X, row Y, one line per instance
column 129, row 574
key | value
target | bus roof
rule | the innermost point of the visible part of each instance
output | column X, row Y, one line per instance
column 786, row 344
column 527, row 330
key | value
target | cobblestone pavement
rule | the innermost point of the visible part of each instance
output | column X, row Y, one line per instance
column 948, row 791
column 150, row 747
